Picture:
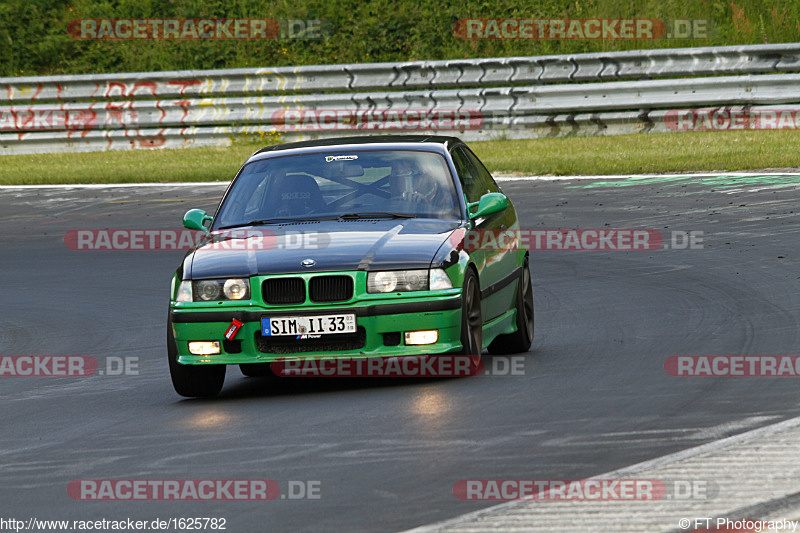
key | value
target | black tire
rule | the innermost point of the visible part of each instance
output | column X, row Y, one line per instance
column 471, row 319
column 521, row 340
column 192, row 381
column 256, row 370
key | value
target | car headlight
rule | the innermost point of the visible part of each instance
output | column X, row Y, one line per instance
column 407, row 280
column 236, row 289
column 213, row 290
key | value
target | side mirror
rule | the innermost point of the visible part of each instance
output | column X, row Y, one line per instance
column 196, row 219
column 489, row 204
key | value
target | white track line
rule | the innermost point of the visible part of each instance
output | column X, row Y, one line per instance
column 118, row 185
column 644, row 176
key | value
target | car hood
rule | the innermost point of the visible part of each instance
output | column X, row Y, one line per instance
column 331, row 245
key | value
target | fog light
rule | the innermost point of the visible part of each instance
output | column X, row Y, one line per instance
column 422, row 337
column 204, row 347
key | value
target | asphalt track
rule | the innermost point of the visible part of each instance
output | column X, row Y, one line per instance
column 594, row 396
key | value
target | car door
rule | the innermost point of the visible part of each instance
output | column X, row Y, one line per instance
column 495, row 265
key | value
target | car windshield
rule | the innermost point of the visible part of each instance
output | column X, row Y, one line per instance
column 350, row 184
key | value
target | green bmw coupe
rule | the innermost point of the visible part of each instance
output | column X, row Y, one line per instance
column 348, row 247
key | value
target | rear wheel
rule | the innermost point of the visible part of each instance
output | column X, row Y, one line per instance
column 192, row 381
column 471, row 320
column 519, row 341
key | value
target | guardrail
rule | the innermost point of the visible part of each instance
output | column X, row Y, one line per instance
column 477, row 99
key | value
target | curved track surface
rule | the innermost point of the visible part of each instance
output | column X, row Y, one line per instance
column 594, row 396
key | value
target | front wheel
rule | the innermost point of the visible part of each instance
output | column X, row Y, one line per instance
column 192, row 381
column 471, row 320
column 521, row 340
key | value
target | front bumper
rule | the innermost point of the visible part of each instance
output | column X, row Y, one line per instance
column 381, row 328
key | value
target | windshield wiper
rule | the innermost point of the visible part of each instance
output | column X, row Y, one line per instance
column 271, row 221
column 376, row 214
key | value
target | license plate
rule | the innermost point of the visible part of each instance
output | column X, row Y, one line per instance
column 308, row 325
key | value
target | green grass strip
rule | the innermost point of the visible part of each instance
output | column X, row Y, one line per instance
column 621, row 154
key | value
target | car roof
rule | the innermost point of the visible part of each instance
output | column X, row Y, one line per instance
column 327, row 143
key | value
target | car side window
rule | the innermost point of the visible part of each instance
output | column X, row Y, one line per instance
column 466, row 174
column 475, row 179
column 484, row 176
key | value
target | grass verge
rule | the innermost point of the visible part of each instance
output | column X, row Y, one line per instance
column 621, row 154
column 643, row 153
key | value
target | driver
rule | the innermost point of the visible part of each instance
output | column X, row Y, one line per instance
column 412, row 184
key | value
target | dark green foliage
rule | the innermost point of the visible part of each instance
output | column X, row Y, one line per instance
column 34, row 39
